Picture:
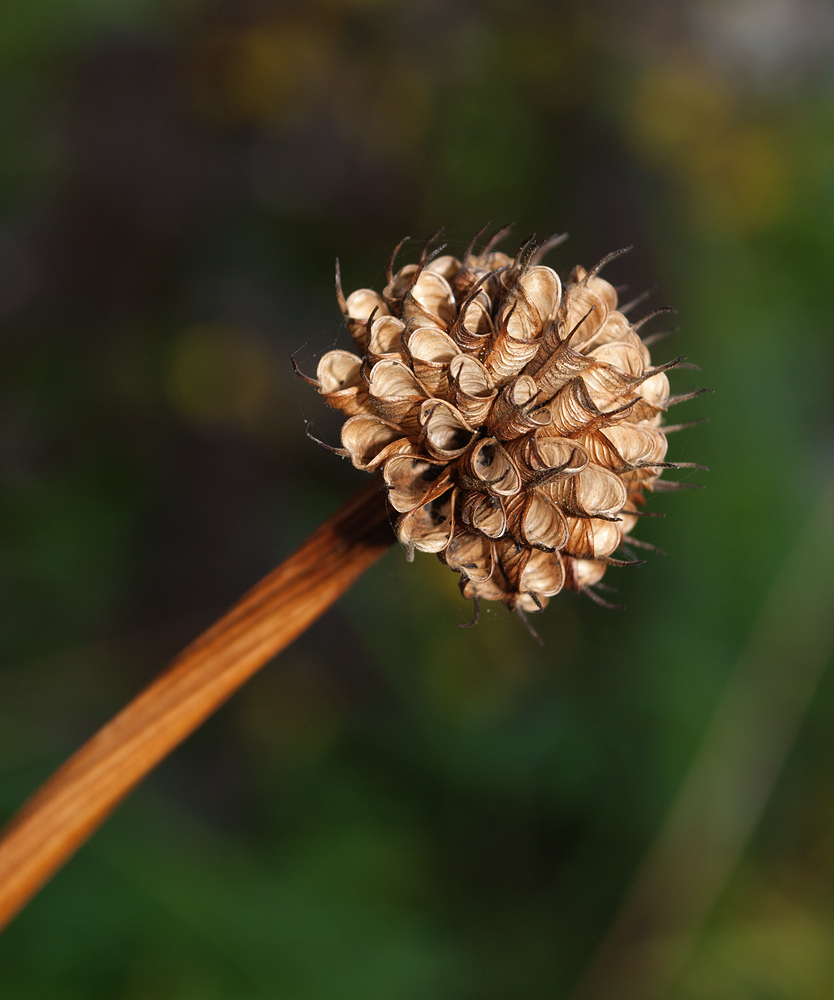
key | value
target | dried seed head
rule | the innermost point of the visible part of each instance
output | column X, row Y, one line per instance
column 517, row 422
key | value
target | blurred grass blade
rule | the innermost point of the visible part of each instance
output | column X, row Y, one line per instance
column 730, row 780
column 82, row 793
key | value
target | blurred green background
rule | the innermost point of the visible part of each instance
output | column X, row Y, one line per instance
column 398, row 808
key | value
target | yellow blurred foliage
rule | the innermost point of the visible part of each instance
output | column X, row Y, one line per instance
column 776, row 948
column 736, row 173
column 221, row 375
column 266, row 72
column 283, row 70
column 386, row 110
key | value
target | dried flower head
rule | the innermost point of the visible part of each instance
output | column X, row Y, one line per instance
column 517, row 421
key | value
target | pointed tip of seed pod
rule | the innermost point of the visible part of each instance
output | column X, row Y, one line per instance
column 692, row 465
column 341, row 452
column 665, row 486
column 475, row 617
column 651, row 339
column 300, row 373
column 340, row 295
column 544, row 248
column 684, row 397
column 671, row 428
column 607, row 260
column 498, row 236
column 637, row 300
column 523, row 616
column 389, row 268
column 639, row 544
column 588, row 592
column 436, row 252
column 609, row 561
column 661, row 311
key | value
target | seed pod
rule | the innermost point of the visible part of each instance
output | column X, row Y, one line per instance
column 447, row 267
column 398, row 287
column 483, row 269
column 471, row 555
column 484, row 512
column 445, row 433
column 592, row 538
column 413, row 481
column 617, row 328
column 396, row 394
column 473, row 329
column 385, row 340
column 625, row 447
column 544, row 575
column 572, row 411
column 513, row 557
column 518, row 424
column 515, row 411
column 533, row 519
column 431, row 352
column 585, row 573
column 370, row 441
column 595, row 283
column 494, row 588
column 430, row 301
column 514, row 344
column 357, row 309
column 473, row 390
column 428, row 527
column 543, row 460
column 340, row 382
column 540, row 289
column 593, row 492
column 487, row 466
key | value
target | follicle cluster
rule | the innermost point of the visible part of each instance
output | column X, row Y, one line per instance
column 517, row 420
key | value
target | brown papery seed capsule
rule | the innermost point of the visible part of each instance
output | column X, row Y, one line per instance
column 517, row 420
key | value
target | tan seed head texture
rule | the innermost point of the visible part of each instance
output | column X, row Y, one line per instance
column 517, row 421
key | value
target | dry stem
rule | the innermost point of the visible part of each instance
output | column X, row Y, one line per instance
column 70, row 806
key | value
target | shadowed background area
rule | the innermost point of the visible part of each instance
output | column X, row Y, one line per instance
column 397, row 807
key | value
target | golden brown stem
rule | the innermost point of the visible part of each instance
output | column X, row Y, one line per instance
column 66, row 810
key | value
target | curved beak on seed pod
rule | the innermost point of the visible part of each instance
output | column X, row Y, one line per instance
column 517, row 422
